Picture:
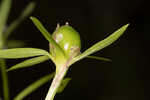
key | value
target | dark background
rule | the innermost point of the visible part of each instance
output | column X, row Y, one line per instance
column 125, row 78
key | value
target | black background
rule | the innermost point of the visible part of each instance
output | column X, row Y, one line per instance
column 125, row 78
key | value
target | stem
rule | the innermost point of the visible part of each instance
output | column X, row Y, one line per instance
column 3, row 72
column 56, row 83
column 5, row 79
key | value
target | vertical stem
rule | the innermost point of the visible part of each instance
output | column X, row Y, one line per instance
column 4, row 73
column 4, row 11
column 5, row 79
column 56, row 83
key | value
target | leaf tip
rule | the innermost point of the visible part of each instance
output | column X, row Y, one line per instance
column 108, row 60
column 31, row 17
column 32, row 3
column 126, row 26
column 7, row 70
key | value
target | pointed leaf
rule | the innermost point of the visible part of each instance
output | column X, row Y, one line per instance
column 102, row 44
column 15, row 23
column 41, row 28
column 29, row 62
column 63, row 84
column 31, row 88
column 45, row 33
column 99, row 58
column 27, row 11
column 22, row 53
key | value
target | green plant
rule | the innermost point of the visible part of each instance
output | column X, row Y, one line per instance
column 5, row 32
column 62, row 58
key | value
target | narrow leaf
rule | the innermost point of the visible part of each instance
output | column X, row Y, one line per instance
column 41, row 28
column 31, row 88
column 45, row 33
column 99, row 58
column 4, row 11
column 63, row 84
column 29, row 62
column 15, row 43
column 27, row 11
column 22, row 53
column 102, row 44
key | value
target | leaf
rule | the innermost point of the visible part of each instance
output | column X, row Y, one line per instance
column 63, row 84
column 32, row 87
column 4, row 11
column 30, row 7
column 99, row 58
column 102, row 44
column 41, row 28
column 15, row 43
column 29, row 62
column 46, row 34
column 22, row 53
column 15, row 23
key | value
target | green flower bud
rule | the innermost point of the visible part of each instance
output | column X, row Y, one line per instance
column 68, row 39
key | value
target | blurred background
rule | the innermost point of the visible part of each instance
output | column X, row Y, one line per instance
column 125, row 78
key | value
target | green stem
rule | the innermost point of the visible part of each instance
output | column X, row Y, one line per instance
column 4, row 73
column 5, row 79
column 56, row 83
